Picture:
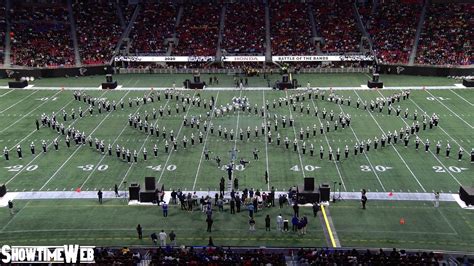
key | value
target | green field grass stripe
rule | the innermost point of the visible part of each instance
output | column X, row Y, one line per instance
column 294, row 132
column 449, row 109
column 78, row 148
column 399, row 155
column 439, row 126
column 25, row 115
column 177, row 137
column 462, row 98
column 329, row 147
column 22, row 99
column 205, row 143
column 266, row 140
column 431, row 152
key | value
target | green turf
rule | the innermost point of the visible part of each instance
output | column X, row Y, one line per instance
column 113, row 223
column 167, row 80
column 410, row 170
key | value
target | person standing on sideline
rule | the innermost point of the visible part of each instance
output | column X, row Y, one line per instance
column 10, row 207
column 154, row 238
column 267, row 223
column 279, row 222
column 209, row 222
column 116, row 191
column 139, row 231
column 294, row 223
column 99, row 195
column 436, row 203
column 296, row 209
column 163, row 237
column 315, row 209
column 251, row 224
column 172, row 236
column 164, row 206
column 363, row 199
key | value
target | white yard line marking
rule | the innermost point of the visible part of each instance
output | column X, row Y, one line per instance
column 18, row 120
column 13, row 218
column 464, row 99
column 367, row 157
column 34, row 130
column 437, row 159
column 120, row 134
column 6, row 93
column 327, row 141
column 266, row 140
column 442, row 129
column 399, row 155
column 449, row 109
column 237, row 130
column 298, row 146
column 40, row 153
column 171, row 150
column 77, row 149
column 22, row 99
column 205, row 142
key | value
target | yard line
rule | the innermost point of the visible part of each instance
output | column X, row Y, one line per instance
column 436, row 157
column 327, row 141
column 130, row 167
column 18, row 120
column 438, row 125
column 171, row 151
column 34, row 130
column 39, row 154
column 72, row 155
column 367, row 157
column 297, row 146
column 399, row 155
column 464, row 99
column 121, row 132
column 205, row 141
column 454, row 113
column 6, row 93
column 13, row 218
column 265, row 139
column 8, row 108
column 237, row 129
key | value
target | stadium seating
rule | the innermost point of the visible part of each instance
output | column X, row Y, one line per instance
column 290, row 29
column 393, row 28
column 3, row 25
column 198, row 30
column 335, row 22
column 447, row 31
column 98, row 30
column 154, row 23
column 41, row 35
column 244, row 29
column 127, row 10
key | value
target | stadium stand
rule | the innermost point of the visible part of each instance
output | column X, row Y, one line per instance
column 41, row 35
column 198, row 30
column 154, row 24
column 3, row 25
column 211, row 255
column 290, row 29
column 392, row 28
column 127, row 9
column 336, row 24
column 447, row 35
column 244, row 31
column 98, row 30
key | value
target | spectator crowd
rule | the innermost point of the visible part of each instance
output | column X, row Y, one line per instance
column 336, row 23
column 447, row 36
column 154, row 24
column 98, row 30
column 40, row 35
column 198, row 30
column 244, row 31
column 290, row 29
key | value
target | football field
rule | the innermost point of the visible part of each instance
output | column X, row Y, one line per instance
column 394, row 168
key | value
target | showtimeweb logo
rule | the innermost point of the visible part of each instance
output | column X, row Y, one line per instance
column 48, row 254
